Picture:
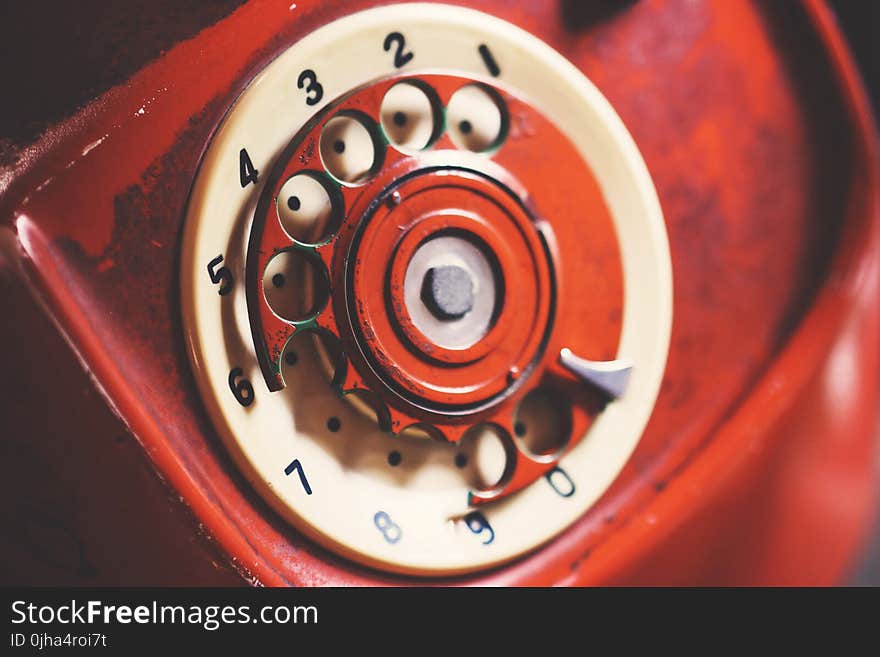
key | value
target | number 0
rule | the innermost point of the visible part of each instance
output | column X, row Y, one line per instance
column 560, row 482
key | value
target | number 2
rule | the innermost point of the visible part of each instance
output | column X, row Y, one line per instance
column 401, row 58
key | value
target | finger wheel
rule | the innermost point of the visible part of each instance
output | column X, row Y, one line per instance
column 456, row 284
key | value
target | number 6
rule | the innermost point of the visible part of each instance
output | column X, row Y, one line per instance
column 243, row 391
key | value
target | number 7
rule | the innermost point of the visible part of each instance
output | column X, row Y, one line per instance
column 296, row 465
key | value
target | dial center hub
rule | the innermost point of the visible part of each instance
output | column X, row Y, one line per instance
column 446, row 334
column 448, row 292
column 452, row 292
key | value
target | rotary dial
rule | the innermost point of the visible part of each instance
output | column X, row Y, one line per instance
column 427, row 289
column 398, row 231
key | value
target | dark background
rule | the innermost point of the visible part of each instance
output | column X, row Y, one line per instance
column 103, row 46
column 860, row 20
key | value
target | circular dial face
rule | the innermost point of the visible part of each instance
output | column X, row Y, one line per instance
column 426, row 288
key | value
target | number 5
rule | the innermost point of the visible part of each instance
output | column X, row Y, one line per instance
column 222, row 276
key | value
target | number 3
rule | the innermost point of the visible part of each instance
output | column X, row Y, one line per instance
column 308, row 80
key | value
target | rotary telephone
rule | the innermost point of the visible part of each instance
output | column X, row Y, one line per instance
column 481, row 293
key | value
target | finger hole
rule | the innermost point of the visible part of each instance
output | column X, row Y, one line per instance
column 350, row 148
column 477, row 118
column 410, row 116
column 542, row 423
column 295, row 285
column 320, row 346
column 370, row 404
column 484, row 457
column 309, row 208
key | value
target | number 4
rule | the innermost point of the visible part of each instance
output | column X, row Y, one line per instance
column 246, row 171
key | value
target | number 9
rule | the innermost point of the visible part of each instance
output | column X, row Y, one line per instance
column 478, row 524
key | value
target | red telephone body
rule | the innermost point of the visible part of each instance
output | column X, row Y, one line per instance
column 758, row 463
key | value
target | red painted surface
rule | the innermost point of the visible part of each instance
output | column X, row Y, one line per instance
column 759, row 139
column 79, row 501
